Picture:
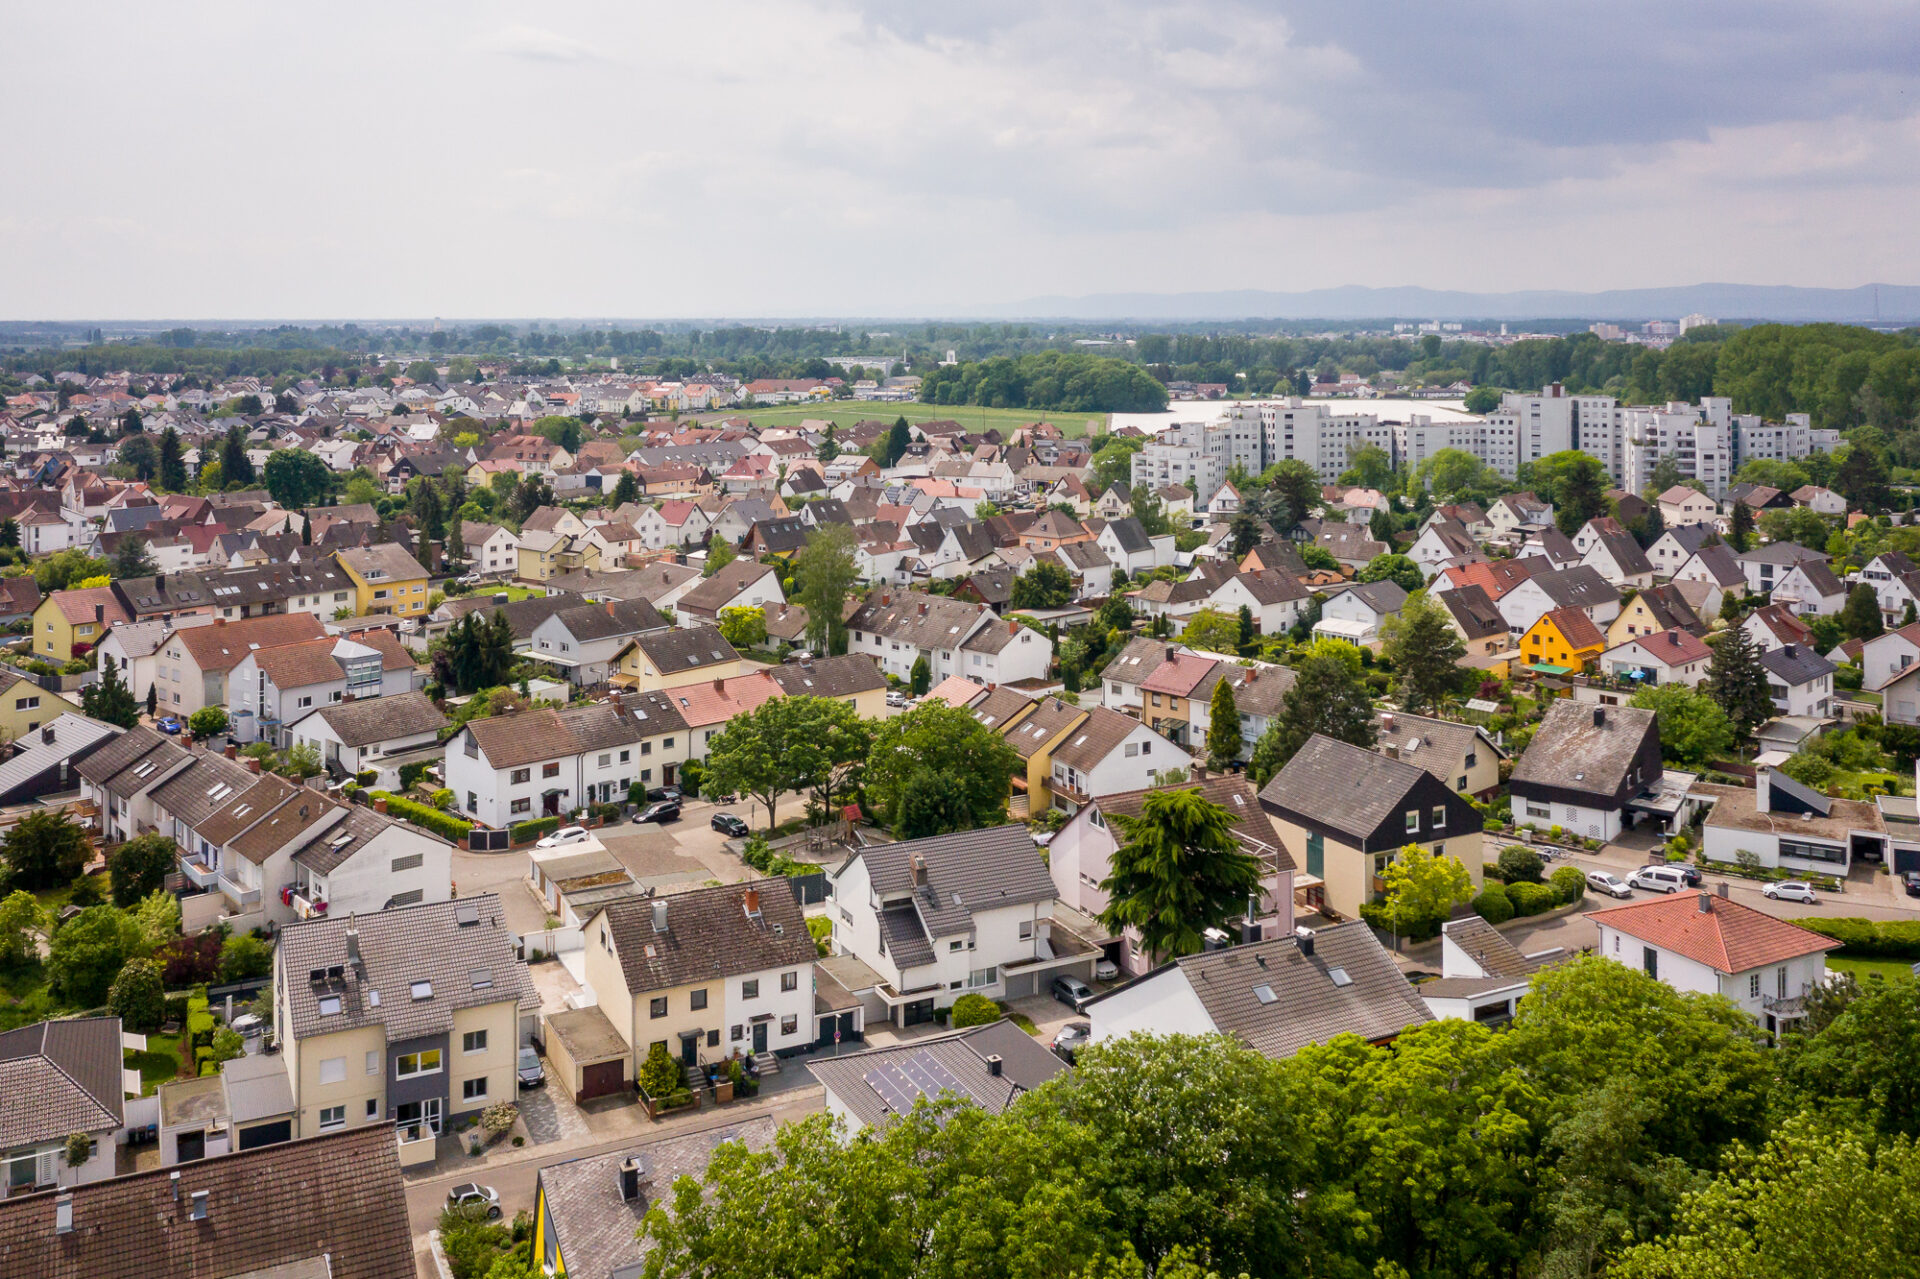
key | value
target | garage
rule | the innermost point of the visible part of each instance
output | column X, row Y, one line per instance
column 1023, row 985
column 602, row 1079
column 266, row 1134
column 1905, row 859
column 585, row 1054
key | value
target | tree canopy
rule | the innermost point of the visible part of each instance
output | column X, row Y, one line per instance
column 939, row 753
column 1179, row 871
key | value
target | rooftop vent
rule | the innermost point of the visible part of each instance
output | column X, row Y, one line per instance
column 198, row 1212
column 466, row 916
column 659, row 917
column 1599, row 716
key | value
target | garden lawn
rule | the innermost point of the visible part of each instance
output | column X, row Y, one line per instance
column 159, row 1064
column 1862, row 967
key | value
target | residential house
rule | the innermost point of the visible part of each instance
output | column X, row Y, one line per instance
column 1276, row 996
column 950, row 915
column 586, row 641
column 1665, row 657
column 1585, row 767
column 334, row 1207
column 1822, row 501
column 1464, row 756
column 1168, row 695
column 1716, row 565
column 1276, row 600
column 492, row 549
column 1350, row 811
column 1887, row 655
column 19, row 599
column 1106, row 753
column 741, row 584
column 1655, row 609
column 851, row 678
column 1034, row 729
column 194, row 662
column 662, row 659
column 1678, row 544
column 1355, row 612
column 1707, row 945
column 45, row 762
column 63, row 1077
column 1130, row 668
column 1350, row 544
column 248, row 1102
column 671, row 524
column 953, row 637
column 24, row 706
column 1127, row 545
column 1476, row 620
column 1789, row 826
column 380, row 733
column 1080, row 859
column 1774, row 625
column 1443, row 542
column 1809, row 589
column 1550, row 545
column 1891, row 575
column 545, row 555
column 1765, row 567
column 67, row 624
column 1799, row 680
column 1579, row 587
column 386, row 579
column 1619, row 559
column 1513, row 511
column 1563, row 640
column 543, row 762
column 404, row 1018
column 988, row 1066
column 1681, row 506
column 707, row 974
column 1483, row 976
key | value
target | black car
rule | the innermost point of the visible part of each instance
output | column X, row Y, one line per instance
column 728, row 824
column 667, row 810
column 1912, row 882
column 669, row 793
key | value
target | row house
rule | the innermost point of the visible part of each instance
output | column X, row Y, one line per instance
column 954, row 638
column 542, row 762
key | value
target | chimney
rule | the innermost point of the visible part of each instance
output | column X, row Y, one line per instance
column 1706, row 903
column 995, row 1065
column 885, row 599
column 1386, row 720
column 232, row 752
column 659, row 916
column 63, row 1214
column 1673, row 638
column 159, row 581
column 1722, row 892
column 630, row 1180
column 752, row 903
column 1599, row 717
column 919, row 865
column 219, row 621
column 610, row 604
column 46, row 735
column 173, row 1181
column 719, row 685
column 1303, row 937
column 380, row 805
column 253, row 766
column 353, row 943
column 1792, row 650
column 923, row 609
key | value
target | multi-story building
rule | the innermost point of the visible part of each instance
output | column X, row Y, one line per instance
column 542, row 762
column 195, row 662
column 386, row 580
column 410, row 1017
column 898, row 629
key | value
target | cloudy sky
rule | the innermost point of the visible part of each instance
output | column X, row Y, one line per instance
column 633, row 158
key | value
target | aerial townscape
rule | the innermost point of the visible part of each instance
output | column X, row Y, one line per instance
column 656, row 731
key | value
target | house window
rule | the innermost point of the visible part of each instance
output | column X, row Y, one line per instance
column 984, row 976
column 27, row 704
column 1439, row 816
column 411, row 862
column 788, row 1025
column 333, row 1117
column 420, row 1063
column 373, row 1061
column 606, row 760
column 1753, row 986
column 520, row 806
column 1132, row 750
column 550, row 770
column 474, row 1089
column 520, row 775
column 1542, row 811
column 333, row 1070
column 750, row 989
column 790, row 981
column 697, row 1000
column 1026, row 930
column 736, row 1034
column 373, row 1108
column 657, row 1006
column 473, row 1041
column 956, row 945
column 624, row 755
column 1650, row 960
column 1413, row 820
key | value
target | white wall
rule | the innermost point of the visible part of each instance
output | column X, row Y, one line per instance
column 1164, row 1004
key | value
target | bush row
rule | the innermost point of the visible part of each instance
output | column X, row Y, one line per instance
column 442, row 824
column 535, row 829
column 1497, row 903
column 1868, row 938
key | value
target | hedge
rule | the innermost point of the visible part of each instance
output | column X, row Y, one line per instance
column 1379, row 916
column 1867, row 938
column 535, row 829
column 442, row 824
column 1568, row 885
column 1493, row 904
column 1531, row 899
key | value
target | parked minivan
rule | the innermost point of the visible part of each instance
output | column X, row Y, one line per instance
column 1660, row 879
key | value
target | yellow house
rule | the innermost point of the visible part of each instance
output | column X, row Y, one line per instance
column 25, row 706
column 1565, row 638
column 670, row 659
column 386, row 580
column 1035, row 734
column 68, row 623
column 547, row 555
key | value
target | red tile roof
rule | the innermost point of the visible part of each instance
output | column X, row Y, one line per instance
column 1178, row 675
column 1673, row 647
column 1726, row 936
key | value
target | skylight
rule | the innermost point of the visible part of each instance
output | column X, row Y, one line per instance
column 1339, row 976
column 422, row 990
column 1264, row 993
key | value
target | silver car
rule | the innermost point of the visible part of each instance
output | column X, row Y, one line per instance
column 1601, row 882
column 474, row 1201
column 1793, row 890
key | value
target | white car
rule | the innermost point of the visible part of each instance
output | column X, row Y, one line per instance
column 1601, row 882
column 1105, row 970
column 565, row 835
column 896, row 698
column 1793, row 890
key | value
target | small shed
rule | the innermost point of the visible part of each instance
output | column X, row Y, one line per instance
column 586, row 1053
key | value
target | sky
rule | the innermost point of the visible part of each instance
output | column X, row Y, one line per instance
column 900, row 158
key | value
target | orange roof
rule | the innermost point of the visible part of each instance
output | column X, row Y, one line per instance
column 78, row 606
column 1576, row 628
column 1722, row 934
column 220, row 647
column 718, row 701
column 1495, row 577
column 1674, row 647
column 955, row 690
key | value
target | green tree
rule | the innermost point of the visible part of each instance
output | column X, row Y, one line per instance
column 1179, row 871
column 1574, row 483
column 22, row 919
column 1862, row 479
column 1297, row 486
column 244, row 956
column 1113, row 460
column 456, row 547
column 1737, row 682
column 1862, row 1065
column 787, row 744
column 720, row 553
column 130, row 559
column 157, row 917
column 1224, row 741
column 625, row 489
column 899, row 440
column 1046, row 584
column 1392, row 567
column 1245, row 532
column 1693, row 728
column 65, row 569
column 825, row 573
column 172, row 470
column 1213, row 631
column 10, row 533
column 1455, row 475
column 1327, row 697
column 208, row 721
column 1860, row 619
column 1740, row 528
column 45, row 849
column 945, row 741
column 138, row 997
column 88, row 952
column 1482, row 399
column 1424, row 649
column 297, row 479
column 140, row 866
column 920, row 676
column 236, row 467
column 1368, row 466
column 1423, row 889
column 110, row 700
column 744, row 627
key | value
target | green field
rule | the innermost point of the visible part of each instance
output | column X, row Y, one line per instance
column 846, row 413
column 1888, row 968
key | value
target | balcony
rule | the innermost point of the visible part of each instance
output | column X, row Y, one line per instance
column 198, row 875
column 415, row 1144
column 306, row 908
column 244, row 899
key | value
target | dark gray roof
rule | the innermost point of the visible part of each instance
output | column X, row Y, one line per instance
column 709, row 934
column 904, row 937
column 611, row 620
column 399, row 947
column 718, row 591
column 595, row 1228
column 330, row 848
column 1131, row 536
column 1626, row 553
column 194, row 794
column 1721, row 564
column 1570, row 751
column 1474, row 610
column 1344, row 786
column 1796, row 663
column 1780, row 553
column 381, row 719
column 57, row 1078
column 1821, row 578
column 1383, row 597
column 977, row 869
column 1487, row 947
column 1578, row 587
column 925, row 621
column 686, row 650
column 1438, row 745
column 829, row 676
column 1691, row 537
column 962, row 1058
column 522, row 615
column 1309, row 1004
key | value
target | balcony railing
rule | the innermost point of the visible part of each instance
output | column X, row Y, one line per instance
column 198, row 875
column 306, row 908
column 243, row 898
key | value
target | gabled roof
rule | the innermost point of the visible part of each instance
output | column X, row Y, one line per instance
column 718, row 591
column 386, row 562
column 1781, row 622
column 544, row 733
column 1094, row 738
column 223, row 645
column 368, row 720
column 59, row 1077
column 1819, row 577
column 709, row 934
column 1179, row 675
column 842, row 676
column 685, row 650
column 1681, row 493
column 1579, row 587
column 1474, row 612
column 1572, row 752
column 961, row 1058
column 1575, row 627
column 1670, row 647
column 1796, row 664
column 1625, row 553
column 610, row 620
column 1716, row 931
column 965, row 872
column 1782, row 553
column 1346, row 787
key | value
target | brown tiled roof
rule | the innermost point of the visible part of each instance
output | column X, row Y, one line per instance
column 78, row 606
column 1231, row 791
column 1094, row 738
column 337, row 1197
column 386, row 562
column 299, row 665
column 829, row 676
column 220, row 647
column 393, row 654
column 718, row 591
column 709, row 935
column 1716, row 931
column 380, row 719
column 57, row 1078
column 542, row 734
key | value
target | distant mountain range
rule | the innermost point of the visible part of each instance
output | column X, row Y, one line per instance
column 1868, row 304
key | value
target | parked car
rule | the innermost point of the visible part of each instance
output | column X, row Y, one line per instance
column 1792, row 890
column 528, row 1069
column 1072, row 992
column 1912, row 881
column 1659, row 879
column 1105, row 970
column 1071, row 1038
column 249, row 1025
column 730, row 825
column 565, row 835
column 1685, row 870
column 169, row 724
column 469, row 579
column 1601, row 882
column 896, row 698
column 667, row 810
column 473, row 1200
column 665, row 792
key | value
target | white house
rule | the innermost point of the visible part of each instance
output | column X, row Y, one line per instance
column 272, row 687
column 1800, row 680
column 1585, row 764
column 1887, row 655
column 1680, row 506
column 1355, row 612
column 542, row 762
column 492, row 549
column 380, row 733
column 741, row 584
column 955, row 637
column 1674, row 547
column 1619, row 559
column 1107, row 753
column 1823, row 501
column 952, row 915
column 584, row 641
column 1578, row 587
column 1440, row 543
column 1765, row 566
column 1891, row 575
column 1809, row 588
column 1788, row 825
column 1130, row 547
column 1665, row 657
column 1690, row 941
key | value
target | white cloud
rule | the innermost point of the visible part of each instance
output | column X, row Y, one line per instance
column 533, row 43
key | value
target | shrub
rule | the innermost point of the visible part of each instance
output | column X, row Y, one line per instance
column 1568, row 885
column 208, row 721
column 535, row 829
column 1493, row 904
column 410, row 774
column 659, row 1073
column 137, row 997
column 442, row 824
column 496, row 1120
column 974, row 1010
column 1531, row 899
column 227, row 1044
column 820, row 928
column 78, row 1150
column 442, row 799
column 1377, row 915
column 1896, row 939
column 1520, row 865
column 245, row 956
column 692, row 773
column 187, row 961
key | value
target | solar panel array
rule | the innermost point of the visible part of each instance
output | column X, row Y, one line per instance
column 902, row 1083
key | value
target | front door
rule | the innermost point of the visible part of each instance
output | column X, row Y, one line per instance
column 690, row 1050
column 759, row 1036
column 550, row 804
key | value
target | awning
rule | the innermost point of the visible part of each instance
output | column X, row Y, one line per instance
column 1547, row 668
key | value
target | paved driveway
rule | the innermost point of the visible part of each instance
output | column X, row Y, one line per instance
column 549, row 1115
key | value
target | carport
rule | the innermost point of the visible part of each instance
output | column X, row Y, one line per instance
column 587, row 1054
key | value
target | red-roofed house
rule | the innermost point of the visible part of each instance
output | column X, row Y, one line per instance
column 1165, row 695
column 1714, row 946
column 1495, row 577
column 1666, row 657
column 707, row 707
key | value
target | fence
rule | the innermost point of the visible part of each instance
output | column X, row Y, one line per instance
column 552, row 941
column 489, row 841
column 809, row 890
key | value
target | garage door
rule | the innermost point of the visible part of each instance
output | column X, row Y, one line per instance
column 1905, row 859
column 601, row 1080
column 1022, row 986
column 266, row 1134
